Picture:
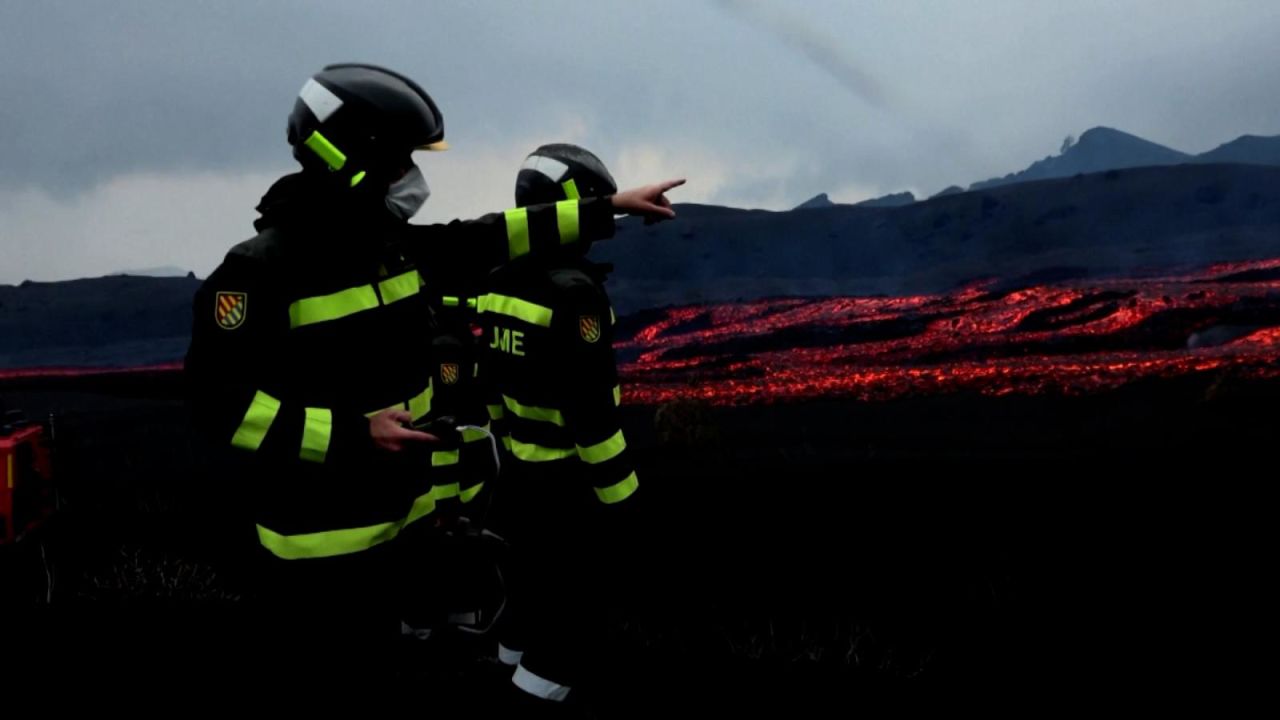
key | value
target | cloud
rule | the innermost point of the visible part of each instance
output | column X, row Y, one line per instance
column 855, row 193
column 135, row 220
column 823, row 48
column 190, row 220
column 478, row 176
column 117, row 117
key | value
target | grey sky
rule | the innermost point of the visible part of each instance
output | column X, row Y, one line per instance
column 140, row 133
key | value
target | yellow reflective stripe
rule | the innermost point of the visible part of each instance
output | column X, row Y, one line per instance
column 613, row 317
column 316, row 431
column 602, row 451
column 517, row 233
column 323, row 308
column 495, row 412
column 471, row 303
column 257, row 420
column 399, row 287
column 420, row 404
column 531, row 313
column 469, row 435
column 320, row 145
column 537, row 453
column 343, row 542
column 617, row 394
column 440, row 458
column 567, row 221
column 444, row 492
column 571, row 189
column 470, row 493
column 327, row 543
column 355, row 179
column 530, row 412
column 423, row 506
column 618, row 491
column 449, row 301
column 506, row 442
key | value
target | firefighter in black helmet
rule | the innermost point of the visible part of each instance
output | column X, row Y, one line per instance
column 568, row 484
column 308, row 361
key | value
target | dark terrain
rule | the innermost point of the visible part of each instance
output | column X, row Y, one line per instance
column 1013, row 552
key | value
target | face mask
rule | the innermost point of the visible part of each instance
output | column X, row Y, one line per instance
column 407, row 195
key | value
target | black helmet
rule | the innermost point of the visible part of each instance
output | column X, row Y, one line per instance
column 559, row 172
column 355, row 119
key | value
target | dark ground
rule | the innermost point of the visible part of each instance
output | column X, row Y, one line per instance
column 1013, row 554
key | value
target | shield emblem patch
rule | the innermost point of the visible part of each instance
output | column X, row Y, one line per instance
column 589, row 327
column 229, row 309
column 449, row 373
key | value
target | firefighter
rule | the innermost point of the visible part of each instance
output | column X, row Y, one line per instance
column 461, row 469
column 568, row 482
column 307, row 362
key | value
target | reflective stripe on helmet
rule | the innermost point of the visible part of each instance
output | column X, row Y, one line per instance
column 552, row 168
column 571, row 189
column 320, row 145
column 320, row 100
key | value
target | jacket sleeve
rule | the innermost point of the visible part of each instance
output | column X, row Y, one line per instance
column 473, row 247
column 583, row 324
column 238, row 392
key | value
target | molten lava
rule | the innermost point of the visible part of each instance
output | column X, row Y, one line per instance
column 1067, row 338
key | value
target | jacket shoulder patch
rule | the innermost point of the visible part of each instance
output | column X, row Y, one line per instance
column 589, row 327
column 229, row 309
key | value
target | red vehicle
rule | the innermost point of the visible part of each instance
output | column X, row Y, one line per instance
column 26, row 479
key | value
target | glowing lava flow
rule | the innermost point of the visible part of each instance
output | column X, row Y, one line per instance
column 85, row 372
column 1066, row 338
